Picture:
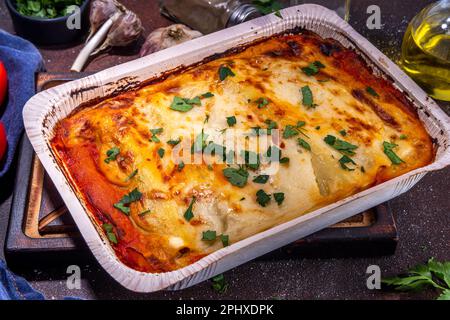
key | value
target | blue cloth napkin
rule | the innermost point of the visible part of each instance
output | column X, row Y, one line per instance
column 22, row 60
column 13, row 287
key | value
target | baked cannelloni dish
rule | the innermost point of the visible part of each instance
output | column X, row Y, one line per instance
column 210, row 154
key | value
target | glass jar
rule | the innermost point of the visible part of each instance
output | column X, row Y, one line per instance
column 426, row 50
column 208, row 16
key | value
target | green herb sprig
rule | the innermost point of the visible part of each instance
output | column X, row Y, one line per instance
column 432, row 274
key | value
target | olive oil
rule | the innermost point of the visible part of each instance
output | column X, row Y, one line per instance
column 426, row 50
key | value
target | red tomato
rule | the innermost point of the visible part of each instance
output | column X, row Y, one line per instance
column 2, row 141
column 3, row 83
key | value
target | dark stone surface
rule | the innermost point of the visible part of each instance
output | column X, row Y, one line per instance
column 423, row 214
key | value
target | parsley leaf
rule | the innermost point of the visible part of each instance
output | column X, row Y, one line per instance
column 289, row 131
column 313, row 68
column 231, row 121
column 262, row 198
column 154, row 133
column 262, row 102
column 279, row 197
column 343, row 162
column 132, row 175
column 161, row 152
column 219, row 284
column 133, row 196
column 270, row 125
column 209, row 235
column 343, row 133
column 342, row 146
column 112, row 154
column 188, row 215
column 144, row 213
column 372, row 92
column 251, row 159
column 263, row 178
column 237, row 177
column 184, row 104
column 307, row 97
column 387, row 149
column 199, row 143
column 109, row 229
column 225, row 240
column 302, row 143
column 224, row 72
column 207, row 95
column 181, row 165
column 174, row 142
column 432, row 274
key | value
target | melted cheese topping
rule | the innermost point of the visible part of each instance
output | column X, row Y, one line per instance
column 155, row 235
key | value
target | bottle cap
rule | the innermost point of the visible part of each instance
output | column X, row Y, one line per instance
column 243, row 13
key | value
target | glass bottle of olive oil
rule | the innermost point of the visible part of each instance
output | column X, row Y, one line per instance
column 426, row 50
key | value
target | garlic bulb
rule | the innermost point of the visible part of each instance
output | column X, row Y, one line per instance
column 101, row 10
column 124, row 30
column 163, row 38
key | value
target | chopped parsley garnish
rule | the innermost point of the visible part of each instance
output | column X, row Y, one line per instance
column 127, row 199
column 372, row 92
column 154, row 133
column 275, row 151
column 279, row 197
column 219, row 284
column 224, row 72
column 144, row 213
column 207, row 95
column 251, row 159
column 307, row 97
column 343, row 162
column 318, row 128
column 174, row 142
column 302, row 143
column 263, row 178
column 262, row 198
column 313, row 68
column 387, row 149
column 109, row 229
column 209, row 235
column 112, row 154
column 342, row 146
column 237, row 177
column 403, row 136
column 188, row 215
column 270, row 125
column 289, row 131
column 262, row 102
column 225, row 240
column 161, row 152
column 132, row 175
column 278, row 14
column 181, row 165
column 343, row 133
column 183, row 104
column 284, row 160
column 231, row 121
column 199, row 143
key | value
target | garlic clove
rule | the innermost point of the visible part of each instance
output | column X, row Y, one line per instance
column 101, row 10
column 170, row 36
column 126, row 29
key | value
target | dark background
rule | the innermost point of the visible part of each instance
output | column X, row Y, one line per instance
column 422, row 214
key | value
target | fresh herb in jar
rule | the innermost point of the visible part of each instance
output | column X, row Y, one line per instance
column 47, row 8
